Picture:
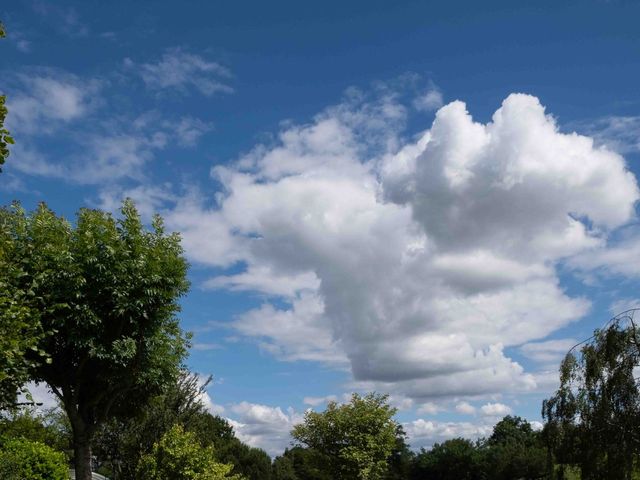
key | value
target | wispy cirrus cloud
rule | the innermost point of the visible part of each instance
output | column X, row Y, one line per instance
column 620, row 133
column 63, row 19
column 42, row 100
column 50, row 105
column 183, row 71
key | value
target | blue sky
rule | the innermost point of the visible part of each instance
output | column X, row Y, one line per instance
column 429, row 199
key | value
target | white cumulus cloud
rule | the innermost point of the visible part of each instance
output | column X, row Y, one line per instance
column 415, row 264
column 263, row 426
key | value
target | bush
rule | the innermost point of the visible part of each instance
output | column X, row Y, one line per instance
column 179, row 456
column 22, row 459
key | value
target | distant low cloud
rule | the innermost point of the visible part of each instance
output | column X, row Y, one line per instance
column 425, row 433
column 465, row 408
column 183, row 71
column 316, row 401
column 497, row 410
column 263, row 426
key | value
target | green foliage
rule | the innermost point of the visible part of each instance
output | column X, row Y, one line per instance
column 103, row 297
column 456, row 459
column 356, row 438
column 50, row 427
column 119, row 444
column 283, row 469
column 20, row 329
column 5, row 137
column 514, row 450
column 22, row 459
column 593, row 419
column 249, row 462
column 307, row 464
column 179, row 456
column 401, row 459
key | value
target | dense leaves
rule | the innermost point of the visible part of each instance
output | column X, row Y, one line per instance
column 356, row 438
column 300, row 463
column 179, row 456
column 22, row 459
column 50, row 427
column 20, row 328
column 456, row 459
column 102, row 299
column 120, row 443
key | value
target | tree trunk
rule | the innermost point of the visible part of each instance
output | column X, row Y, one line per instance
column 82, row 454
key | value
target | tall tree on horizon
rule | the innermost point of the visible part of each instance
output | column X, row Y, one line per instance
column 593, row 419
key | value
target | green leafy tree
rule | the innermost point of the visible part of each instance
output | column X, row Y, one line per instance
column 5, row 137
column 50, row 427
column 401, row 458
column 455, row 459
column 514, row 450
column 283, row 469
column 307, row 463
column 104, row 296
column 593, row 420
column 22, row 459
column 356, row 438
column 20, row 328
column 180, row 456
column 120, row 442
column 249, row 462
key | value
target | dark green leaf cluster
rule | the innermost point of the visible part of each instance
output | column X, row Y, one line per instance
column 513, row 451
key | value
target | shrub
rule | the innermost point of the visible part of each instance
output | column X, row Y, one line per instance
column 179, row 456
column 22, row 459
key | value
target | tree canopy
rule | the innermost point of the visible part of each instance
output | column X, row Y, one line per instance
column 178, row 455
column 356, row 438
column 593, row 419
column 101, row 298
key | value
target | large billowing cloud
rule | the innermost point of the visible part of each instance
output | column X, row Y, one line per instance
column 413, row 263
